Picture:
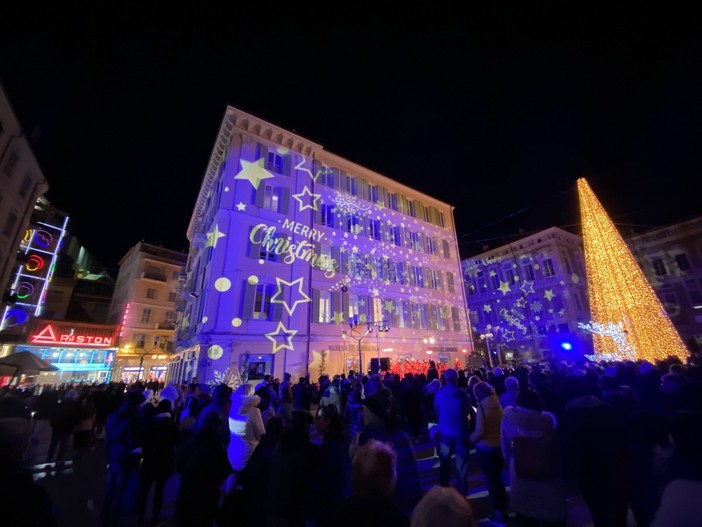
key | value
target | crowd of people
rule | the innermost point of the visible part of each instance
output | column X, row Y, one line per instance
column 626, row 436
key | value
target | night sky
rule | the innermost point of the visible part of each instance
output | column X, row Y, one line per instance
column 496, row 109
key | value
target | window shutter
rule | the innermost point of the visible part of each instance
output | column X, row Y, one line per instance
column 254, row 248
column 260, row 193
column 277, row 312
column 249, row 293
column 317, row 169
column 345, row 304
column 284, row 200
column 287, row 165
column 262, row 154
column 318, row 215
column 343, row 183
column 335, row 302
column 439, row 280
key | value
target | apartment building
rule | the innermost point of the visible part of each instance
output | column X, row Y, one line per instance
column 143, row 307
column 527, row 297
column 21, row 183
column 302, row 261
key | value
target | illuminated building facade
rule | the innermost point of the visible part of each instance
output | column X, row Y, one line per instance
column 36, row 261
column 143, row 305
column 303, row 261
column 671, row 259
column 21, row 184
column 527, row 297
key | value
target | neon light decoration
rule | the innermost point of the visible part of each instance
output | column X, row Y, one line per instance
column 48, row 336
column 34, row 263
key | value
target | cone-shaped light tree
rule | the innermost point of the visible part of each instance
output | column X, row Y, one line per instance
column 628, row 320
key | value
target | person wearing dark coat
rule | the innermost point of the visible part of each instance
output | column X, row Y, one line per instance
column 203, row 466
column 160, row 440
column 66, row 417
column 123, row 433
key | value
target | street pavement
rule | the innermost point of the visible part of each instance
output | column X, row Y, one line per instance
column 76, row 490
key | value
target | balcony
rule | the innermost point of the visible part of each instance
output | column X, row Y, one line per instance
column 154, row 275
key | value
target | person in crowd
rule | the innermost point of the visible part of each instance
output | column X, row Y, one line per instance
column 353, row 412
column 374, row 478
column 221, row 405
column 433, row 371
column 123, row 439
column 83, row 432
column 170, row 393
column 160, row 441
column 680, row 500
column 291, row 475
column 510, row 393
column 330, row 484
column 302, row 399
column 26, row 502
column 249, row 495
column 203, row 466
column 444, row 506
column 594, row 438
column 332, row 395
column 411, row 405
column 246, row 426
column 382, row 425
column 374, row 384
column 66, row 417
column 285, row 398
column 454, row 411
column 536, row 492
column 486, row 439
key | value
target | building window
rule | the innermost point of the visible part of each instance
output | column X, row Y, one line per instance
column 145, row 315
column 151, row 293
column 659, row 267
column 456, row 318
column 10, row 223
column 682, row 262
column 392, row 199
column 495, row 279
column 418, row 277
column 528, row 270
column 257, row 302
column 172, row 296
column 274, row 161
column 24, row 186
column 353, row 224
column 449, row 282
column 548, row 267
column 445, row 247
column 328, row 215
column 374, row 229
column 273, row 198
column 10, row 165
column 140, row 340
column 322, row 305
column 395, row 236
column 509, row 274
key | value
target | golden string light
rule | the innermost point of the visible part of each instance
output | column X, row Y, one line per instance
column 619, row 291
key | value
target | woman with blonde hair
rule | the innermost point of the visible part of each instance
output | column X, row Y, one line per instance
column 245, row 425
column 445, row 506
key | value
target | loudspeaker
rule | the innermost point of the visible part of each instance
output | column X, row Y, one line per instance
column 383, row 365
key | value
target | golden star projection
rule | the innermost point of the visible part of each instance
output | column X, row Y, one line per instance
column 307, row 192
column 281, row 330
column 213, row 236
column 620, row 295
column 278, row 296
column 254, row 172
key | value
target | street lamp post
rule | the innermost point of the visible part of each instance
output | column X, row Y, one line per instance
column 356, row 335
column 143, row 353
column 380, row 327
column 486, row 337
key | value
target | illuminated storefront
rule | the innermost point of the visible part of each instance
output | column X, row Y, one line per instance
column 81, row 352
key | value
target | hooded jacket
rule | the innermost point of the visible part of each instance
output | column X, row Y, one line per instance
column 246, row 427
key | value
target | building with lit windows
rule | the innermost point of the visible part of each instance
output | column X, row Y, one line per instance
column 21, row 184
column 671, row 259
column 143, row 306
column 303, row 261
column 527, row 297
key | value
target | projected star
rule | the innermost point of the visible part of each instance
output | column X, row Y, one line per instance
column 301, row 296
column 487, row 308
column 527, row 287
column 287, row 333
column 388, row 306
column 241, row 207
column 254, row 172
column 338, row 318
column 300, row 166
column 504, row 287
column 509, row 335
column 548, row 294
column 307, row 192
column 520, row 302
column 213, row 237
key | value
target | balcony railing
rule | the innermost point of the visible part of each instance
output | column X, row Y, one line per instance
column 153, row 275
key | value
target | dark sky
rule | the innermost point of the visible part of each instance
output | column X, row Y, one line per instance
column 496, row 109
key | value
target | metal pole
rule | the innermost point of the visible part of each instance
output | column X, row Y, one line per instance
column 360, row 357
column 141, row 363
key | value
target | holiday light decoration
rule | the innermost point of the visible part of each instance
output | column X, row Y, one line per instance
column 620, row 296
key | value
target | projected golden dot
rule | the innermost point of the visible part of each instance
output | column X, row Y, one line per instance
column 215, row 352
column 204, row 319
column 236, row 322
column 253, row 279
column 222, row 284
